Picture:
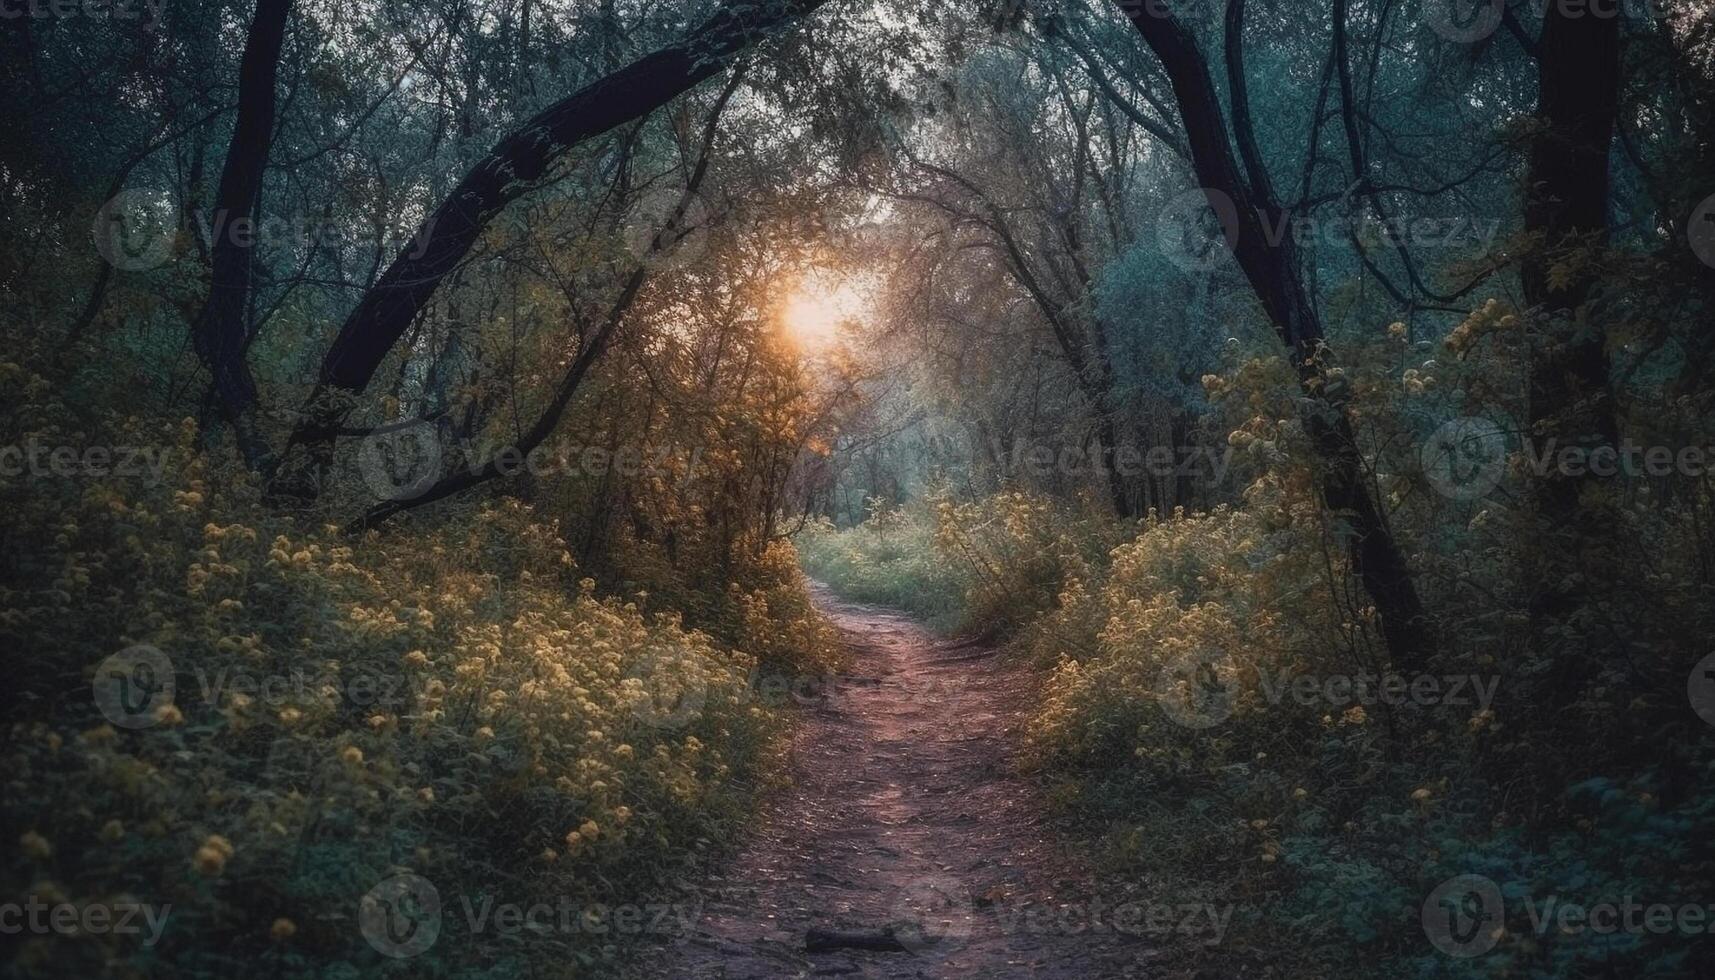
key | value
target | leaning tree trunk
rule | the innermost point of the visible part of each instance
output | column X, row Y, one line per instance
column 1248, row 208
column 221, row 330
column 507, row 172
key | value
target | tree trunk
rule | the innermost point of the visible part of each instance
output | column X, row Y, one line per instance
column 1566, row 201
column 507, row 172
column 220, row 333
column 1272, row 271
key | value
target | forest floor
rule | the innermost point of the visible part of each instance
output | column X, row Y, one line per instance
column 907, row 816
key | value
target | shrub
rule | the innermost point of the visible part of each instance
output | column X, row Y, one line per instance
column 890, row 559
column 453, row 699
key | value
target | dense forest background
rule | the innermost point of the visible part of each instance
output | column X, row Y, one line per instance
column 419, row 420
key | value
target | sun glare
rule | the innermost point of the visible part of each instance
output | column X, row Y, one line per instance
column 816, row 309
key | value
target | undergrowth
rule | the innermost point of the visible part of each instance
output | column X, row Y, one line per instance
column 453, row 700
column 1219, row 715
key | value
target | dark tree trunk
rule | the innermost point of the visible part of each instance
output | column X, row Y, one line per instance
column 1107, row 434
column 1248, row 209
column 1566, row 201
column 507, row 172
column 220, row 333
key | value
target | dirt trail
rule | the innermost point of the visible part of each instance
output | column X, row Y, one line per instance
column 906, row 810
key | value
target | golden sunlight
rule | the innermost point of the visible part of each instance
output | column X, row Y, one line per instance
column 813, row 312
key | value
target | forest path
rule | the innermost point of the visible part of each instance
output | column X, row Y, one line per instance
column 906, row 809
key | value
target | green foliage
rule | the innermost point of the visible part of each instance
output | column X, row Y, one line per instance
column 1327, row 822
column 455, row 699
column 889, row 559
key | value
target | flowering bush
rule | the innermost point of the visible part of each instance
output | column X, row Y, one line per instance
column 456, row 700
column 1202, row 710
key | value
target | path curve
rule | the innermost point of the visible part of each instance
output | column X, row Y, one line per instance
column 906, row 808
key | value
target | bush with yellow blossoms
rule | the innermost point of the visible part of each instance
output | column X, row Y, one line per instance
column 455, row 698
